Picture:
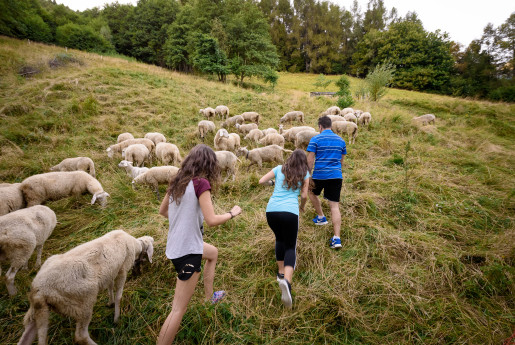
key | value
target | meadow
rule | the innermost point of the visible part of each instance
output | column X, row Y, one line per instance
column 428, row 212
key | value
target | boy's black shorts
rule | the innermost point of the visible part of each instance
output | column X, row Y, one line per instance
column 331, row 187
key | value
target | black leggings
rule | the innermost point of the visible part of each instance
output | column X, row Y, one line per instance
column 285, row 226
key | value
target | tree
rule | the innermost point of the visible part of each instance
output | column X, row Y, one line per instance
column 344, row 95
column 209, row 58
column 379, row 80
column 81, row 37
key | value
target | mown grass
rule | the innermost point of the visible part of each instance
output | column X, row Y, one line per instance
column 428, row 236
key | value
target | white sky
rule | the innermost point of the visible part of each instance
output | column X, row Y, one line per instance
column 464, row 20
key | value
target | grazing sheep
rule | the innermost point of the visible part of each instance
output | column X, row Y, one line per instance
column 364, row 119
column 232, row 121
column 351, row 117
column 293, row 116
column 11, row 198
column 271, row 153
column 124, row 136
column 227, row 162
column 246, row 128
column 425, row 119
column 358, row 113
column 251, row 116
column 168, row 153
column 156, row 137
column 223, row 111
column 345, row 126
column 21, row 232
column 269, row 130
column 334, row 110
column 205, row 127
column 289, row 134
column 346, row 111
column 254, row 134
column 207, row 112
column 57, row 185
column 226, row 142
column 69, row 283
column 118, row 148
column 156, row 176
column 272, row 139
column 74, row 164
column 137, row 153
column 131, row 170
column 302, row 139
column 336, row 118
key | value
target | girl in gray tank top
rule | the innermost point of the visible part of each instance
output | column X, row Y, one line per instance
column 187, row 204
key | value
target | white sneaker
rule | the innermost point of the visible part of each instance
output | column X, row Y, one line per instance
column 286, row 293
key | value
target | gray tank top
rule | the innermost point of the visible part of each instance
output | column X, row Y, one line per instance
column 185, row 232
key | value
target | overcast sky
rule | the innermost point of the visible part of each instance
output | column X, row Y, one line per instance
column 464, row 20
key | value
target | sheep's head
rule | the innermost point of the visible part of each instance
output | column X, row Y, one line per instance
column 124, row 164
column 109, row 152
column 201, row 111
column 54, row 168
column 101, row 197
column 237, row 126
column 241, row 151
column 147, row 247
column 123, row 153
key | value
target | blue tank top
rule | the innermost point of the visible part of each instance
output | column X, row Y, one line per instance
column 283, row 199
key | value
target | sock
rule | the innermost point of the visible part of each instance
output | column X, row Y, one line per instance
column 320, row 217
column 335, row 237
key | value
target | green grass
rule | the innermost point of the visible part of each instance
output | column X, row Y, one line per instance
column 425, row 260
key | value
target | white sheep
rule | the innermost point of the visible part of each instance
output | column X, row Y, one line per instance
column 346, row 111
column 246, row 128
column 223, row 111
column 425, row 119
column 11, row 198
column 131, row 170
column 302, row 138
column 118, row 148
column 272, row 139
column 226, row 142
column 168, row 153
column 364, row 119
column 271, row 153
column 74, row 164
column 251, row 116
column 69, row 283
column 289, row 134
column 21, row 232
column 227, row 162
column 269, row 130
column 232, row 121
column 39, row 188
column 336, row 118
column 358, row 113
column 208, row 112
column 137, row 153
column 123, row 137
column 334, row 110
column 254, row 134
column 348, row 127
column 156, row 137
column 156, row 176
column 293, row 116
column 205, row 127
column 350, row 117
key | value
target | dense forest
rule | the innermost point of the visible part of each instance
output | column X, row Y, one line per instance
column 257, row 38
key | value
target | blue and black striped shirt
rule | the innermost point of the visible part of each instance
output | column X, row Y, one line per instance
column 328, row 148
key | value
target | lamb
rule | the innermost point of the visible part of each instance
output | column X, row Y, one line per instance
column 232, row 121
column 69, row 283
column 251, row 116
column 11, row 198
column 269, row 130
column 124, row 136
column 271, row 153
column 345, row 126
column 302, row 138
column 117, row 148
column 168, row 153
column 272, row 139
column 39, row 188
column 156, row 137
column 21, row 232
column 333, row 110
column 74, row 164
column 156, row 176
column 351, row 117
column 222, row 110
column 365, row 119
column 290, row 134
column 358, row 113
column 226, row 142
column 227, row 162
column 425, row 119
column 293, row 116
column 246, row 128
column 207, row 112
column 137, row 153
column 335, row 118
column 205, row 127
column 254, row 134
column 131, row 170
column 346, row 111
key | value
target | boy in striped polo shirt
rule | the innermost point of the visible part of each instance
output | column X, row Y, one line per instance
column 327, row 151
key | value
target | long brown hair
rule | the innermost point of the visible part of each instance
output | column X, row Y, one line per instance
column 295, row 170
column 200, row 162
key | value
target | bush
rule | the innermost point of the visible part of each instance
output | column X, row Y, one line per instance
column 345, row 98
column 81, row 37
column 504, row 93
column 379, row 79
column 322, row 82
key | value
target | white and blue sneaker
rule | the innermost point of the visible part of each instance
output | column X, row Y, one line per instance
column 336, row 243
column 285, row 287
column 320, row 221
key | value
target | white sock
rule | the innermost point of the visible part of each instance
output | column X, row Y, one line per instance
column 320, row 217
column 336, row 237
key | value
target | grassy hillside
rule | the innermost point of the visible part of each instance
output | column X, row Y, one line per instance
column 428, row 233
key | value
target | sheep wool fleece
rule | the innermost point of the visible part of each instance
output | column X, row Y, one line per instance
column 184, row 233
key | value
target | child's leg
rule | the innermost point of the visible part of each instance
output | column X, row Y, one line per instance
column 210, row 255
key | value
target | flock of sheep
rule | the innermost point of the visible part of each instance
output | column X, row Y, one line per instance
column 70, row 282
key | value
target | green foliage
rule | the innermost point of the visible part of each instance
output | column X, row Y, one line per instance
column 322, row 82
column 344, row 94
column 23, row 19
column 209, row 58
column 81, row 37
column 379, row 80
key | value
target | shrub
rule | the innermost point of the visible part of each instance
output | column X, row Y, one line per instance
column 81, row 37
column 322, row 82
column 345, row 98
column 379, row 79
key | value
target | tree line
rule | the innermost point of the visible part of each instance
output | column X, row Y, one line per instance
column 257, row 38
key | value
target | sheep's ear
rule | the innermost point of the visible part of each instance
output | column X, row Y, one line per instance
column 149, row 243
column 108, row 149
column 94, row 198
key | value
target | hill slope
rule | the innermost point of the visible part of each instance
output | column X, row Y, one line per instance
column 428, row 228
